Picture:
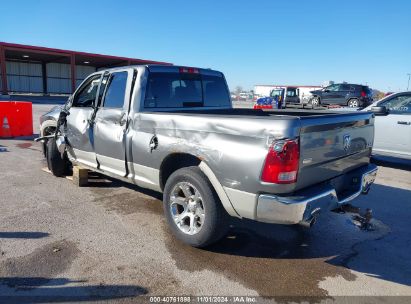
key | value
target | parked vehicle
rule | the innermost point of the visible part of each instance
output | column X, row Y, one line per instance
column 344, row 94
column 392, row 125
column 173, row 129
column 245, row 96
column 295, row 94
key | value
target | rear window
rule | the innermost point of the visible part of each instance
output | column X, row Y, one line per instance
column 179, row 90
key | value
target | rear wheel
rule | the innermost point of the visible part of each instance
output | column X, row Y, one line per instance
column 192, row 208
column 353, row 103
column 55, row 161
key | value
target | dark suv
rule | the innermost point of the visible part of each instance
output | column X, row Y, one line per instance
column 352, row 95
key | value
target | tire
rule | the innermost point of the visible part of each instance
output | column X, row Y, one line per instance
column 315, row 101
column 55, row 162
column 192, row 208
column 353, row 103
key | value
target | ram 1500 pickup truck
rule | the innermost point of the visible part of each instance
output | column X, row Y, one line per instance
column 173, row 129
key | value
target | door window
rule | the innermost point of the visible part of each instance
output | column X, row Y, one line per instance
column 399, row 104
column 344, row 87
column 116, row 90
column 86, row 95
column 101, row 90
column 291, row 92
column 333, row 88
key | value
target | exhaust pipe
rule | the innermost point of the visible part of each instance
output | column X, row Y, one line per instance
column 308, row 223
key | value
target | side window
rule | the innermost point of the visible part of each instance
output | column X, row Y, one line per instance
column 333, row 88
column 344, row 87
column 86, row 96
column 101, row 90
column 398, row 104
column 291, row 92
column 116, row 90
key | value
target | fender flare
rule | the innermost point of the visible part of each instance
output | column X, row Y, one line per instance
column 225, row 201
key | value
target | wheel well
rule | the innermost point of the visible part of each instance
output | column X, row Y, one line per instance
column 48, row 128
column 174, row 162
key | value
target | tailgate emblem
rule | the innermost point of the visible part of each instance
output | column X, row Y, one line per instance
column 347, row 142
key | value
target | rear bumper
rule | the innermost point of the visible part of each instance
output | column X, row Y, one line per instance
column 304, row 205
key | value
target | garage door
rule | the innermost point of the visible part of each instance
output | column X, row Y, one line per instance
column 58, row 78
column 24, row 77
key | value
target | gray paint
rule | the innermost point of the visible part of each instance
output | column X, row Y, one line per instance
column 233, row 146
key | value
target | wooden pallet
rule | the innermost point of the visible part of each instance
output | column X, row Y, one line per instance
column 79, row 177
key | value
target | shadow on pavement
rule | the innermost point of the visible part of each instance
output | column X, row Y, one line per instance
column 293, row 260
column 52, row 290
column 97, row 180
column 23, row 235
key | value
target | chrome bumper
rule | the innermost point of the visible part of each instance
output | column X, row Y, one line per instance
column 306, row 204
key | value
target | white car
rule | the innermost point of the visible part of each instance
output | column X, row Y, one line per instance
column 392, row 125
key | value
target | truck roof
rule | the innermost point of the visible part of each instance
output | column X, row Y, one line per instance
column 165, row 68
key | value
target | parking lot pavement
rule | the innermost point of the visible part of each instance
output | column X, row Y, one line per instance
column 109, row 240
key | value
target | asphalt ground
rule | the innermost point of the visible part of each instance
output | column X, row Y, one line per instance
column 109, row 241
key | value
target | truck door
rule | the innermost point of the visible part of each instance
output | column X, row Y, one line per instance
column 291, row 96
column 79, row 130
column 342, row 94
column 329, row 95
column 393, row 131
column 110, row 124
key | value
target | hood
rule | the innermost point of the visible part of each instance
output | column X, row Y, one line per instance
column 52, row 114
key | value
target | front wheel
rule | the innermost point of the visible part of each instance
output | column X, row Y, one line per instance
column 315, row 101
column 192, row 208
column 56, row 162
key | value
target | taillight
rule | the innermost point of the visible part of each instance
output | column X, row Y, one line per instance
column 363, row 94
column 189, row 70
column 281, row 163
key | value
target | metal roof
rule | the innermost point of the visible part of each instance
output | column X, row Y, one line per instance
column 38, row 53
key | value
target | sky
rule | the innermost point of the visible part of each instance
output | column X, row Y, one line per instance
column 251, row 42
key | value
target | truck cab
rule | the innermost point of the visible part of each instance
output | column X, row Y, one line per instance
column 286, row 95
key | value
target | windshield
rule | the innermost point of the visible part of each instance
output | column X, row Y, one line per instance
column 179, row 90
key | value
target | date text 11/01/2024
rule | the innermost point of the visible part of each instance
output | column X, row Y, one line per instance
column 203, row 299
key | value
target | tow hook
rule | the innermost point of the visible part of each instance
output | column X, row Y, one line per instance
column 362, row 220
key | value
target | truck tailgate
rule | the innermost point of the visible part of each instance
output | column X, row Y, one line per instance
column 331, row 145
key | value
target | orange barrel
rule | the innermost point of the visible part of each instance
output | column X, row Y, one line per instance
column 16, row 119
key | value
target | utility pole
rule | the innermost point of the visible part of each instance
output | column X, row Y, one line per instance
column 408, row 85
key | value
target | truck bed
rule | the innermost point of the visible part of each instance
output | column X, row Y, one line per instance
column 321, row 134
column 252, row 112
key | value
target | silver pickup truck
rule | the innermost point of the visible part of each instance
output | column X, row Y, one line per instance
column 173, row 129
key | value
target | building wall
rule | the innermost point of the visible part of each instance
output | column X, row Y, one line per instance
column 262, row 90
column 82, row 71
column 24, row 77
column 58, row 78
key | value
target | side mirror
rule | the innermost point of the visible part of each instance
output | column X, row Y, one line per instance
column 326, row 90
column 379, row 110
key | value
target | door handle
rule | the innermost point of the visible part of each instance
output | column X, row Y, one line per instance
column 407, row 123
column 123, row 119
